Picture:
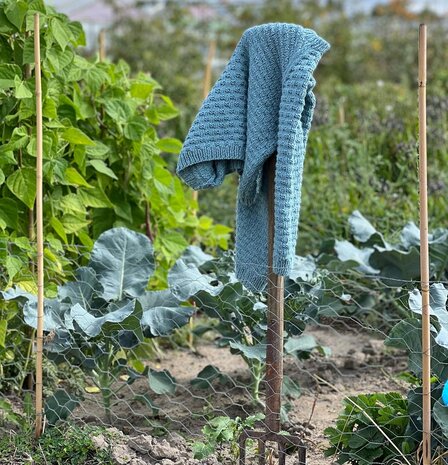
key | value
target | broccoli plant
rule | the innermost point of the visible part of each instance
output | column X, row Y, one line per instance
column 95, row 320
column 239, row 315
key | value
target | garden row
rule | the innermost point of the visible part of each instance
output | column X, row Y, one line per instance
column 105, row 319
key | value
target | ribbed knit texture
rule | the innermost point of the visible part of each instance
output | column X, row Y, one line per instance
column 263, row 103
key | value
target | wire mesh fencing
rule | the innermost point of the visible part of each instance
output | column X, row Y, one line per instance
column 174, row 375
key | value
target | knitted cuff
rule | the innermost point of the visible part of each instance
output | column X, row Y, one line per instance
column 204, row 167
column 283, row 266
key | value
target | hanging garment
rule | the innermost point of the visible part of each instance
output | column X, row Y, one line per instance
column 262, row 104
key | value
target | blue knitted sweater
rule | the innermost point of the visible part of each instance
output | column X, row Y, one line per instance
column 263, row 103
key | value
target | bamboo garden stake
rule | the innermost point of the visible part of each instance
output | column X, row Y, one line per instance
column 424, row 250
column 39, row 228
column 102, row 45
column 207, row 83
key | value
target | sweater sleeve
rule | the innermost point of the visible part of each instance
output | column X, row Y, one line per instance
column 216, row 142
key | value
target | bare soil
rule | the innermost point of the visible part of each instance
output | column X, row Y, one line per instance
column 359, row 364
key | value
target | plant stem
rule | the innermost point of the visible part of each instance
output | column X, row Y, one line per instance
column 256, row 369
column 149, row 232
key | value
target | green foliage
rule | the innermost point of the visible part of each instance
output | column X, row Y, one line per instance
column 361, row 155
column 364, row 277
column 223, row 430
column 407, row 335
column 239, row 316
column 104, row 164
column 370, row 430
column 10, row 416
column 69, row 445
column 97, row 320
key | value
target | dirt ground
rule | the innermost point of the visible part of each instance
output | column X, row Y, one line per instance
column 359, row 363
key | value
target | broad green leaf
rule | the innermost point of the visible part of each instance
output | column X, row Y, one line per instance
column 95, row 198
column 73, row 178
column 58, row 59
column 202, row 450
column 61, row 32
column 8, row 73
column 163, row 320
column 77, row 137
column 303, row 268
column 28, row 51
column 174, row 242
column 23, row 243
column 135, row 128
column 72, row 203
column 47, row 144
column 186, row 280
column 95, row 76
column 124, row 262
column 363, row 231
column 124, row 210
column 167, row 110
column 194, row 255
column 8, row 214
column 19, row 140
column 143, row 89
column 37, row 5
column 169, row 145
column 303, row 343
column 49, row 109
column 2, row 177
column 85, row 239
column 13, row 266
column 7, row 157
column 206, row 376
column 118, row 110
column 73, row 224
column 440, row 413
column 290, row 388
column 59, row 229
column 79, row 37
column 92, row 325
column 99, row 150
column 22, row 183
column 15, row 11
column 101, row 167
column 21, row 89
column 407, row 335
column 59, row 406
column 254, row 352
column 161, row 382
column 145, row 399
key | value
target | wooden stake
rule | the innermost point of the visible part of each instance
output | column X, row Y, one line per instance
column 207, row 83
column 274, row 335
column 102, row 45
column 424, row 249
column 39, row 230
column 208, row 68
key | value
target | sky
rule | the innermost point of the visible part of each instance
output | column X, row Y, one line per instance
column 96, row 15
column 92, row 10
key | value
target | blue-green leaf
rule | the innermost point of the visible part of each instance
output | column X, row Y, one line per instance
column 123, row 261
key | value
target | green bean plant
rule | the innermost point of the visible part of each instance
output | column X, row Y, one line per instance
column 105, row 164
